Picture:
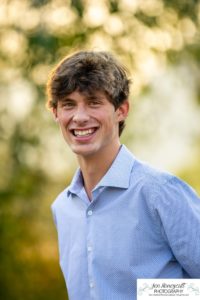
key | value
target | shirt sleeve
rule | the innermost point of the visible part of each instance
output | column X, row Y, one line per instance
column 177, row 207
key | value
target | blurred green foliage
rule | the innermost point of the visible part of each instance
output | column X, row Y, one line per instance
column 33, row 36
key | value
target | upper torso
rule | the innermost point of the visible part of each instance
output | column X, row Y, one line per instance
column 141, row 223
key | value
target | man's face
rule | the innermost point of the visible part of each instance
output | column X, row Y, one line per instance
column 90, row 123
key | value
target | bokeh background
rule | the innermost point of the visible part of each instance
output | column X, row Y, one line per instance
column 158, row 41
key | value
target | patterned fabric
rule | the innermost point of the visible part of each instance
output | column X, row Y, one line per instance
column 141, row 223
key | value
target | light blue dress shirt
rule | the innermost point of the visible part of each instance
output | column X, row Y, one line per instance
column 141, row 223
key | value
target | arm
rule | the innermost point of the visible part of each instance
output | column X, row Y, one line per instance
column 178, row 210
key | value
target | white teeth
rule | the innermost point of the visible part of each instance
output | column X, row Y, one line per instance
column 83, row 132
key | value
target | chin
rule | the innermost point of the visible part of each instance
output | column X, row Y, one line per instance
column 83, row 152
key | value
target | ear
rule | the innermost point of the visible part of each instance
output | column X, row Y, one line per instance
column 122, row 111
column 55, row 115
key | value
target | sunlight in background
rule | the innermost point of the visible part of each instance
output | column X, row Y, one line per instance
column 129, row 5
column 13, row 44
column 151, row 7
column 20, row 99
column 146, row 47
column 168, row 119
column 97, row 39
column 96, row 13
column 58, row 18
column 40, row 73
column 114, row 25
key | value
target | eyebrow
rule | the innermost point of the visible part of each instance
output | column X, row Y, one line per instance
column 86, row 98
column 66, row 99
column 95, row 97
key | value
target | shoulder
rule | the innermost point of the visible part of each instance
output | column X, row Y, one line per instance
column 160, row 186
column 166, row 197
column 60, row 200
column 148, row 175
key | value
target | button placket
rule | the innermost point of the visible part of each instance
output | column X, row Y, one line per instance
column 90, row 215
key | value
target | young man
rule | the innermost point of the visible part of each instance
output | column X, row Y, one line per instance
column 119, row 219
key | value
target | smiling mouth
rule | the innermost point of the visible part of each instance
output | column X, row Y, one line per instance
column 83, row 132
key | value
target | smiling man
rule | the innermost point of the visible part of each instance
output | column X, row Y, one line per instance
column 119, row 219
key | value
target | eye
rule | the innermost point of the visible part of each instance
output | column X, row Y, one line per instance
column 68, row 104
column 94, row 103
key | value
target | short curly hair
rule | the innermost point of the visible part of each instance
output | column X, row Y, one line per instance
column 89, row 71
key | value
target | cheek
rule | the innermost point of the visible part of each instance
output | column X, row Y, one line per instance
column 111, row 124
column 63, row 118
column 107, row 115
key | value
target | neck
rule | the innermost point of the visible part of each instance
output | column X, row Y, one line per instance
column 94, row 167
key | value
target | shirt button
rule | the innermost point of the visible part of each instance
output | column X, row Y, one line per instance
column 89, row 248
column 90, row 212
column 91, row 285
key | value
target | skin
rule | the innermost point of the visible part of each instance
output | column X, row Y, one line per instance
column 90, row 126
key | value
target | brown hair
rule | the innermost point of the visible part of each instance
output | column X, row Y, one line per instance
column 89, row 71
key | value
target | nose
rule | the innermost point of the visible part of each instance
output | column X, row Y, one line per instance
column 81, row 115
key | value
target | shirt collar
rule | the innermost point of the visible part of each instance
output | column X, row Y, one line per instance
column 118, row 175
column 77, row 183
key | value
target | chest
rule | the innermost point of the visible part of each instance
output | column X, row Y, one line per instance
column 119, row 229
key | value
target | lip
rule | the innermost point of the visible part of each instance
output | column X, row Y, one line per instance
column 86, row 137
